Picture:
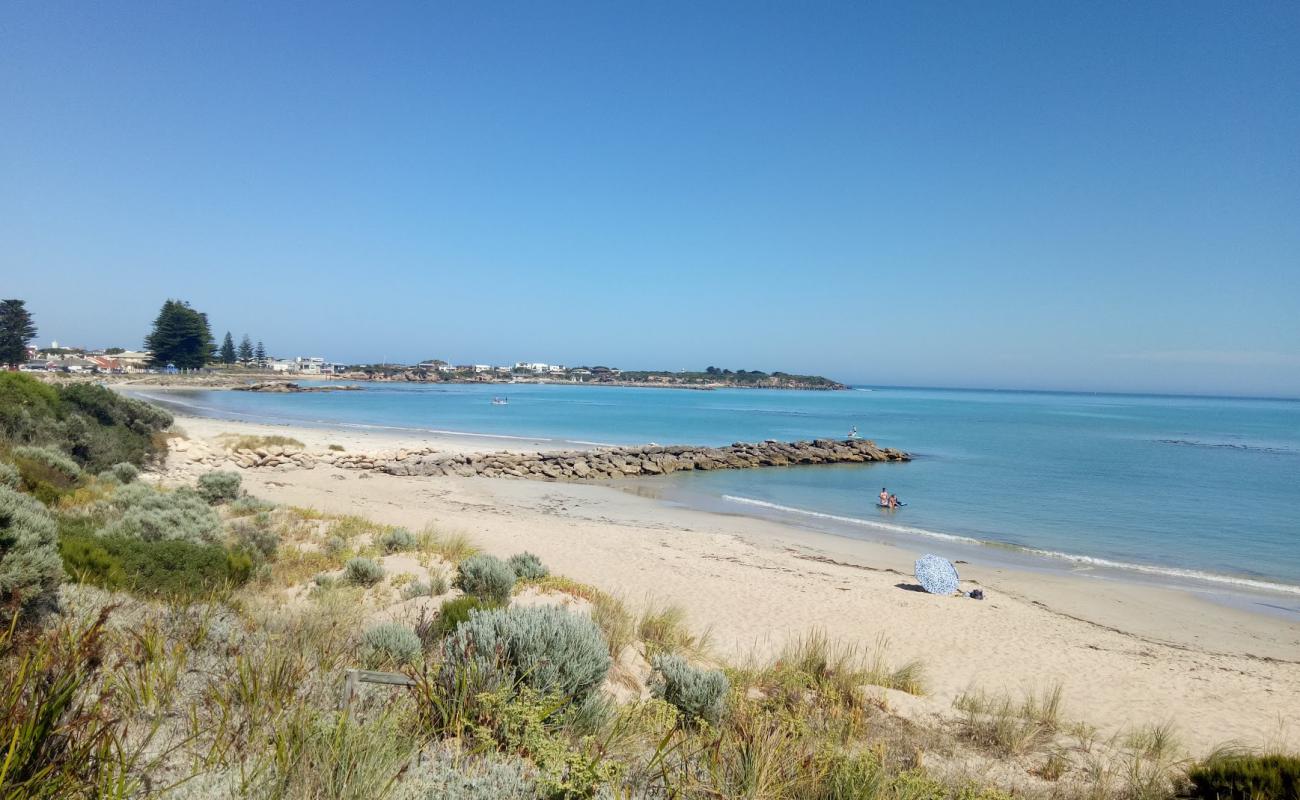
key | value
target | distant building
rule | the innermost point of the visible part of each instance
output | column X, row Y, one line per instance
column 281, row 365
column 314, row 365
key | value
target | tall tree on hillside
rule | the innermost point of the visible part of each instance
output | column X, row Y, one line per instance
column 180, row 337
column 259, row 355
column 16, row 330
column 228, row 350
column 245, row 350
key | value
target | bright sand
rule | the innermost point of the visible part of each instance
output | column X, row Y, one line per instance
column 1126, row 654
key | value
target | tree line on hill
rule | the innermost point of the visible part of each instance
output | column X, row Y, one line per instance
column 181, row 337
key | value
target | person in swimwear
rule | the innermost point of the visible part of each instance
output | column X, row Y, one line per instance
column 884, row 496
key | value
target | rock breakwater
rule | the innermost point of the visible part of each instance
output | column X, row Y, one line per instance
column 571, row 465
column 620, row 462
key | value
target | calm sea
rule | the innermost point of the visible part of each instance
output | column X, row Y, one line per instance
column 1201, row 489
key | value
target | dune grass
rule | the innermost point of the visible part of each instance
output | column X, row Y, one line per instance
column 235, row 441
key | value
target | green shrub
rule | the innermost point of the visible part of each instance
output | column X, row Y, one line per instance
column 30, row 568
column 696, row 693
column 10, row 477
column 527, row 567
column 124, row 471
column 46, row 472
column 487, row 577
column 389, row 644
column 325, row 580
column 544, row 647
column 363, row 572
column 415, row 589
column 96, row 426
column 153, row 515
column 166, row 567
column 335, row 545
column 1242, row 777
column 397, row 540
column 218, row 486
column 455, row 611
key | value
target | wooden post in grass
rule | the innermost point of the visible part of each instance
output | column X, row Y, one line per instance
column 356, row 676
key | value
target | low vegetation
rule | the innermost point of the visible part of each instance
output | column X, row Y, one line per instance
column 240, row 442
column 158, row 645
column 486, row 577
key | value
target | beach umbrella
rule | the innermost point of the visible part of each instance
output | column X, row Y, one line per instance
column 936, row 575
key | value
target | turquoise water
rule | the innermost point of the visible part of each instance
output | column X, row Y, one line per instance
column 1206, row 487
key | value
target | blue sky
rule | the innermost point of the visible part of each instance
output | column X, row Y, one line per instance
column 1067, row 195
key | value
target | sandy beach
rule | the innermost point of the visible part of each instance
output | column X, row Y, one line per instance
column 1125, row 654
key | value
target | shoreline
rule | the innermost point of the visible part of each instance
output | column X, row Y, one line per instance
column 1246, row 592
column 1125, row 653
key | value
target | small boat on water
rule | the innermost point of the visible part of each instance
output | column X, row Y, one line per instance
column 500, row 401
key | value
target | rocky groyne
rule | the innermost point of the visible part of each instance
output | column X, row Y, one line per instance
column 620, row 462
column 574, row 465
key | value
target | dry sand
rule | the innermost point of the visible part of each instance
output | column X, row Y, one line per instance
column 1126, row 654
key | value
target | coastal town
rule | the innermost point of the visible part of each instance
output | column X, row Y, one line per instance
column 116, row 361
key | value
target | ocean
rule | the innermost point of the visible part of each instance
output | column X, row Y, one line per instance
column 1199, row 490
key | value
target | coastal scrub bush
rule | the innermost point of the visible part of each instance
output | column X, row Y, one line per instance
column 397, row 540
column 96, row 426
column 123, row 472
column 415, row 589
column 10, row 477
column 527, row 567
column 389, row 644
column 218, row 486
column 163, row 567
column 30, row 568
column 490, row 778
column 487, row 577
column 51, row 458
column 1246, row 777
column 256, row 534
column 544, row 647
column 362, row 572
column 696, row 693
column 154, row 515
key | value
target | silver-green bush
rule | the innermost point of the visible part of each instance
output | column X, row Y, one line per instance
column 468, row 779
column 54, row 459
column 487, row 577
column 218, row 486
column 362, row 572
column 154, row 515
column 397, row 540
column 527, row 567
column 547, row 648
column 30, row 566
column 415, row 589
column 696, row 693
column 9, row 475
column 389, row 644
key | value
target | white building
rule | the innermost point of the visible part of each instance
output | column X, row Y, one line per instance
column 314, row 365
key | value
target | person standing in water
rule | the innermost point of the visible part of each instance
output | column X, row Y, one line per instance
column 884, row 496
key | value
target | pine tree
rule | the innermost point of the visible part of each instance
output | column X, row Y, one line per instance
column 16, row 330
column 228, row 350
column 180, row 337
column 245, row 350
column 259, row 355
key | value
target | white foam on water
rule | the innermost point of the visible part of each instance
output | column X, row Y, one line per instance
column 1093, row 561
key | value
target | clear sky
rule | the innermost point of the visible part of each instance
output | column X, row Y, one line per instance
column 1059, row 195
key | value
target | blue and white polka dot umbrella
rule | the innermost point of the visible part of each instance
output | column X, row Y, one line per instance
column 936, row 575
